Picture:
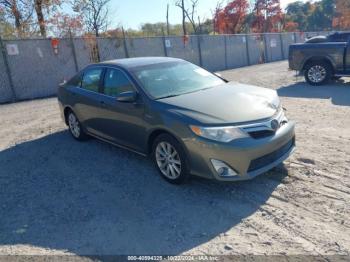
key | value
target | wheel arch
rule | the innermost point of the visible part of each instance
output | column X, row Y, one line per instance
column 319, row 59
column 157, row 132
column 66, row 110
column 154, row 134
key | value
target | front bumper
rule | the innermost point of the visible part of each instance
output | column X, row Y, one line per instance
column 249, row 157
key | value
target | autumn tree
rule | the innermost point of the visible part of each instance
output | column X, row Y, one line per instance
column 181, row 5
column 321, row 15
column 189, row 13
column 20, row 12
column 43, row 9
column 65, row 25
column 297, row 13
column 341, row 20
column 268, row 16
column 214, row 12
column 95, row 14
column 229, row 20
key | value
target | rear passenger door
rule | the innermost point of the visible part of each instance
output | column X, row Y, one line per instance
column 123, row 123
column 87, row 99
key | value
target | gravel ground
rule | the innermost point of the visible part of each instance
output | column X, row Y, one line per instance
column 59, row 196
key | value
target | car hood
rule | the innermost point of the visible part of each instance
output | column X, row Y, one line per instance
column 230, row 103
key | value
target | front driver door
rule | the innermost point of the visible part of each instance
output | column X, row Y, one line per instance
column 123, row 123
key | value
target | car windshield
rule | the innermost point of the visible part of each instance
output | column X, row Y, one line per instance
column 174, row 79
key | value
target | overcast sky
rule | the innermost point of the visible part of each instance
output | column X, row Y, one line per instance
column 132, row 13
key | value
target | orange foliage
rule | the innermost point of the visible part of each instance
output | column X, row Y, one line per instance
column 341, row 20
column 230, row 19
column 60, row 24
column 291, row 26
column 268, row 16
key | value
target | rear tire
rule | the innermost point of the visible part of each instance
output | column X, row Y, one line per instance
column 75, row 127
column 170, row 160
column 318, row 73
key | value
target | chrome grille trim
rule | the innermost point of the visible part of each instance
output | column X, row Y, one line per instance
column 266, row 125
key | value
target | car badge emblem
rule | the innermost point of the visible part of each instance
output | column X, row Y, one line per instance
column 274, row 125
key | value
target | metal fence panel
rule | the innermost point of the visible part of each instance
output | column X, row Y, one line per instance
column 300, row 37
column 236, row 54
column 152, row 46
column 36, row 70
column 273, row 47
column 111, row 48
column 187, row 50
column 83, row 52
column 256, row 49
column 5, row 90
column 287, row 40
column 213, row 52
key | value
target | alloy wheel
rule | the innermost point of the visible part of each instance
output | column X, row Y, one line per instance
column 317, row 74
column 168, row 160
column 74, row 125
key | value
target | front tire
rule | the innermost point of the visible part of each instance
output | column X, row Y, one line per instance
column 75, row 127
column 170, row 159
column 318, row 73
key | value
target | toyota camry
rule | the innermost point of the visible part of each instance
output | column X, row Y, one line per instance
column 187, row 119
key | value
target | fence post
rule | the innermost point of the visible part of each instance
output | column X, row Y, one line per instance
column 282, row 48
column 8, row 70
column 226, row 63
column 247, row 49
column 125, row 47
column 265, row 48
column 73, row 52
column 199, row 50
column 164, row 45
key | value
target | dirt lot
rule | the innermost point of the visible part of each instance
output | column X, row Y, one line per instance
column 60, row 196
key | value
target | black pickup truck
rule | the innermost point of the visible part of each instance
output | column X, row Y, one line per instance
column 321, row 59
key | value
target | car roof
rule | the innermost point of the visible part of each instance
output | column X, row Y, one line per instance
column 140, row 61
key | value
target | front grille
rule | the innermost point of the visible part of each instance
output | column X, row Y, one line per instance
column 270, row 158
column 261, row 134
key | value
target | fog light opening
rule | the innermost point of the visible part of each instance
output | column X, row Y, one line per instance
column 223, row 169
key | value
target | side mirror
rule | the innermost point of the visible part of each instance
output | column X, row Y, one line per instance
column 63, row 83
column 127, row 97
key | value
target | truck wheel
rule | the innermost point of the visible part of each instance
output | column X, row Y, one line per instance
column 318, row 73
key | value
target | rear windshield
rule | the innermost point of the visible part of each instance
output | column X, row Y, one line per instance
column 342, row 37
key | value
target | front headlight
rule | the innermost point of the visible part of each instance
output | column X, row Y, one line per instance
column 221, row 134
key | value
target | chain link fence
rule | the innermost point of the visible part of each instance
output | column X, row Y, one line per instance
column 30, row 68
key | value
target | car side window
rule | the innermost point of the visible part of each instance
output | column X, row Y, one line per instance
column 75, row 81
column 116, row 82
column 91, row 79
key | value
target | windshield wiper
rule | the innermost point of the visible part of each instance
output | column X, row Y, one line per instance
column 168, row 96
column 194, row 91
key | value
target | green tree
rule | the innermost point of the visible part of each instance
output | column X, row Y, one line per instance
column 321, row 16
column 298, row 12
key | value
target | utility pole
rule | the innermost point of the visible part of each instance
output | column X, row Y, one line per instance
column 183, row 17
column 167, row 20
